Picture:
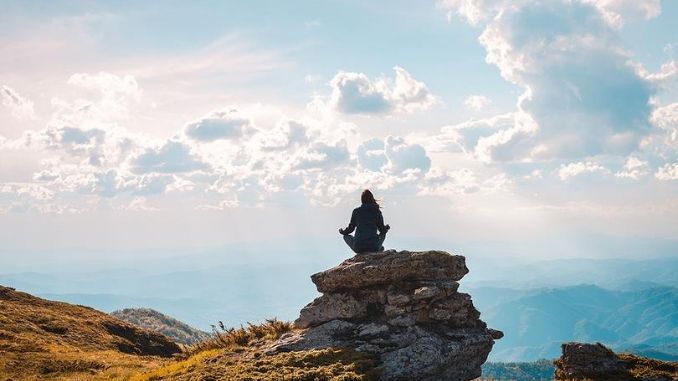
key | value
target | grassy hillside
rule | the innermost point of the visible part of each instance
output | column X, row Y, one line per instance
column 41, row 339
column 238, row 355
column 47, row 340
column 161, row 323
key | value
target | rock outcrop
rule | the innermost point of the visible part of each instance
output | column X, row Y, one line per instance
column 582, row 361
column 402, row 307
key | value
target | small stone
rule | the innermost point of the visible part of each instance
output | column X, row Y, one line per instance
column 426, row 292
column 369, row 348
column 392, row 311
column 403, row 320
column 495, row 333
column 397, row 299
column 371, row 329
column 329, row 307
column 440, row 314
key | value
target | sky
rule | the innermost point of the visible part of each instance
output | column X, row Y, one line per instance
column 538, row 129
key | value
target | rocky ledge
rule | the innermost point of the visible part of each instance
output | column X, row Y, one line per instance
column 583, row 361
column 404, row 308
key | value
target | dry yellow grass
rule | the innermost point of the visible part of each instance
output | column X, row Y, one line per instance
column 45, row 340
column 223, row 337
column 251, row 364
column 637, row 368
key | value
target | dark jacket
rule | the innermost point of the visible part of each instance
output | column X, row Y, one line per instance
column 367, row 221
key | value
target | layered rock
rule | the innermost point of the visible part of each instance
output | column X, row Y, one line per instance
column 583, row 361
column 404, row 308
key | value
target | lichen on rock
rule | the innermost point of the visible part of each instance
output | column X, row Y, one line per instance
column 403, row 308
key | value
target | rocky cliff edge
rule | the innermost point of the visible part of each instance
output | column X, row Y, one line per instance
column 402, row 307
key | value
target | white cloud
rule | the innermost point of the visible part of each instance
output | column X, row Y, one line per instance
column 613, row 11
column 21, row 107
column 575, row 169
column 445, row 183
column 285, row 135
column 668, row 172
column 372, row 154
column 465, row 135
column 666, row 119
column 572, row 69
column 666, row 74
column 634, row 168
column 500, row 138
column 403, row 156
column 116, row 93
column 394, row 155
column 477, row 102
column 616, row 11
column 355, row 93
column 473, row 11
column 219, row 125
column 171, row 157
column 321, row 155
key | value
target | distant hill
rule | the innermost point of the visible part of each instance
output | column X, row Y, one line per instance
column 536, row 322
column 42, row 339
column 161, row 323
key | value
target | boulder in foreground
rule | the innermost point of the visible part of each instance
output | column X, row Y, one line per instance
column 582, row 361
column 403, row 308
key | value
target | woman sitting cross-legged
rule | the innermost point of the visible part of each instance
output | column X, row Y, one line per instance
column 368, row 223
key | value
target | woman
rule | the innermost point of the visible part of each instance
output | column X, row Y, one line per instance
column 367, row 221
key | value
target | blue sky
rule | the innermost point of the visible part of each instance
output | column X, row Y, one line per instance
column 183, row 125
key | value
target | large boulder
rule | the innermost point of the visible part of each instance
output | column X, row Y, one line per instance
column 402, row 307
column 370, row 269
column 584, row 361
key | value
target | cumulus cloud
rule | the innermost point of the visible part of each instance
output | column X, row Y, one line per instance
column 218, row 125
column 666, row 119
column 116, row 94
column 393, row 155
column 575, row 169
column 668, row 172
column 372, row 154
column 634, row 168
column 573, row 72
column 445, row 182
column 283, row 136
column 664, row 76
column 616, row 11
column 78, row 141
column 171, row 157
column 321, row 155
column 21, row 107
column 505, row 137
column 355, row 93
column 472, row 11
column 464, row 136
column 477, row 102
column 403, row 156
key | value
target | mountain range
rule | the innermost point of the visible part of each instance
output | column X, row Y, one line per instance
column 643, row 321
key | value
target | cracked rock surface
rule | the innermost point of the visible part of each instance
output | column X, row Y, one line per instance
column 404, row 308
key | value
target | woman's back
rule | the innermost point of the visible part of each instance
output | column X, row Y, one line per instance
column 368, row 223
column 368, row 219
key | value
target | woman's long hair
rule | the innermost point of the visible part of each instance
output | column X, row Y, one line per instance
column 368, row 198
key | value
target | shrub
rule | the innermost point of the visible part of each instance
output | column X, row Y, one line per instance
column 223, row 337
